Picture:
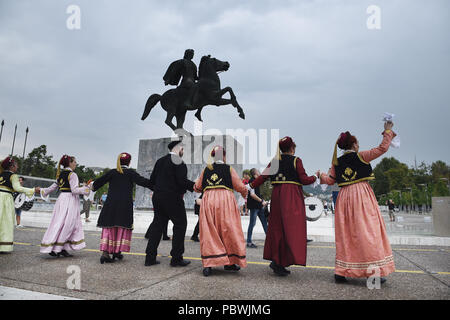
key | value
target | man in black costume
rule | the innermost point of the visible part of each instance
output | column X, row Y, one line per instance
column 169, row 183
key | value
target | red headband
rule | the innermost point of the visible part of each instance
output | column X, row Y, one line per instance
column 286, row 143
column 65, row 160
column 125, row 158
column 7, row 162
column 217, row 149
column 343, row 139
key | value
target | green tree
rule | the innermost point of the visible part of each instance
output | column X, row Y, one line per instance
column 84, row 174
column 39, row 164
column 381, row 183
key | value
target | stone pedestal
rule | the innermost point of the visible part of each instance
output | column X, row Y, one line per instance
column 441, row 216
column 196, row 152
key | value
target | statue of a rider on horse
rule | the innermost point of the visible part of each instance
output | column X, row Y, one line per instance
column 194, row 91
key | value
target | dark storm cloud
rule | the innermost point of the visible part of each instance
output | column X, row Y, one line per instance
column 309, row 68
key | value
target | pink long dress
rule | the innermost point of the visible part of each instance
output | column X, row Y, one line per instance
column 362, row 245
column 221, row 237
column 65, row 231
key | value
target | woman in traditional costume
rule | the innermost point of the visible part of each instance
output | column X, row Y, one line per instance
column 285, row 243
column 65, row 231
column 362, row 245
column 9, row 183
column 116, row 216
column 222, row 241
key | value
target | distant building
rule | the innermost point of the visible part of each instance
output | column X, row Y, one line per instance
column 97, row 170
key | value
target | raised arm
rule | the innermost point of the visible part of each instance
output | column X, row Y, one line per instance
column 374, row 153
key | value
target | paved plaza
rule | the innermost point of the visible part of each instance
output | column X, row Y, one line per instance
column 423, row 272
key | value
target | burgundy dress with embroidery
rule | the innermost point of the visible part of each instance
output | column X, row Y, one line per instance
column 286, row 233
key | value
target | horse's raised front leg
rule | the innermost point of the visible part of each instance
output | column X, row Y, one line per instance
column 223, row 102
column 232, row 101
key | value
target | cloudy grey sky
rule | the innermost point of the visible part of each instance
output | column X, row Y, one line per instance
column 308, row 68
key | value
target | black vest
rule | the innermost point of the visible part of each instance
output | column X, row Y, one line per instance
column 252, row 203
column 63, row 181
column 287, row 171
column 218, row 177
column 351, row 169
column 5, row 182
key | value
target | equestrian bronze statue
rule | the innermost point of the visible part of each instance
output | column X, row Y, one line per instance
column 194, row 91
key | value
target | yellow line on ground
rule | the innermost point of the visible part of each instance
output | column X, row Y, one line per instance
column 23, row 243
column 249, row 262
column 405, row 249
column 410, row 271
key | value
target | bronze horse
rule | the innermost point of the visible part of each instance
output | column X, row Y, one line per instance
column 206, row 91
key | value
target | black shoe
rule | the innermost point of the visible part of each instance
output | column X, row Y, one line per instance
column 279, row 270
column 166, row 238
column 207, row 271
column 150, row 261
column 64, row 253
column 53, row 254
column 232, row 267
column 196, row 239
column 251, row 245
column 285, row 270
column 106, row 259
column 179, row 263
column 339, row 279
column 118, row 256
column 309, row 240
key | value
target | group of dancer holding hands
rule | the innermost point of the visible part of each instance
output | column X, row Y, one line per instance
column 362, row 245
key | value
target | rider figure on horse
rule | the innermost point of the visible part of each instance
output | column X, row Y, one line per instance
column 186, row 70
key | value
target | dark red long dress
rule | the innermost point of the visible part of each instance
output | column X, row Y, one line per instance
column 286, row 234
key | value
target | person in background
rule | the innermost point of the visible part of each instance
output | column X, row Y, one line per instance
column 198, row 202
column 87, row 202
column 103, row 198
column 256, row 205
column 391, row 207
column 245, row 180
